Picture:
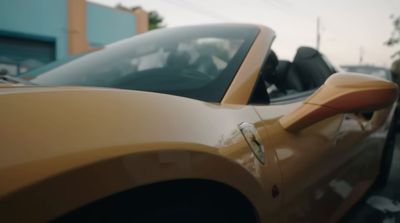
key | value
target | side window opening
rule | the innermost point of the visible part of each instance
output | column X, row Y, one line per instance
column 259, row 95
column 266, row 75
column 288, row 80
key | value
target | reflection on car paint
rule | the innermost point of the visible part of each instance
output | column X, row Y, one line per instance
column 319, row 194
column 284, row 153
column 384, row 204
column 341, row 187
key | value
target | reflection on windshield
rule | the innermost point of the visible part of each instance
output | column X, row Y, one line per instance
column 196, row 62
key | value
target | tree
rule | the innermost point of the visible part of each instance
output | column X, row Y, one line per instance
column 393, row 41
column 155, row 20
column 395, row 36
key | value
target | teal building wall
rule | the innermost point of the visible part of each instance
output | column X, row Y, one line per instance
column 35, row 32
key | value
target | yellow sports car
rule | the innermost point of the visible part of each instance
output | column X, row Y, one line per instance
column 192, row 124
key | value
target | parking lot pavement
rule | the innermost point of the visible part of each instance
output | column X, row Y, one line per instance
column 381, row 205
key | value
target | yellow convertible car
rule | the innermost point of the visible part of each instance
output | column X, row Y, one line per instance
column 192, row 124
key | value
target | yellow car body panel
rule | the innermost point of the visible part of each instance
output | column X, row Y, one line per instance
column 65, row 147
column 91, row 128
column 242, row 86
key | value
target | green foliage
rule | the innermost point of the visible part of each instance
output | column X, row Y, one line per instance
column 155, row 20
column 394, row 41
column 396, row 67
column 395, row 36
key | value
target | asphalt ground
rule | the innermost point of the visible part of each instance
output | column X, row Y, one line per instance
column 381, row 205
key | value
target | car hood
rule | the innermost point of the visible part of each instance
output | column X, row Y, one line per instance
column 50, row 123
column 39, row 122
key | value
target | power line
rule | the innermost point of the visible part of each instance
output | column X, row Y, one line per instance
column 275, row 4
column 199, row 10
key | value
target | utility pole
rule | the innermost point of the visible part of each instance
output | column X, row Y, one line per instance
column 361, row 54
column 318, row 33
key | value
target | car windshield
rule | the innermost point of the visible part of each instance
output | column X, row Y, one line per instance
column 197, row 62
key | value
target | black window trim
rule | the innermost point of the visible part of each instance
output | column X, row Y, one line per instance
column 292, row 98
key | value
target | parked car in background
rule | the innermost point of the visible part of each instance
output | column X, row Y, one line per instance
column 369, row 69
column 192, row 124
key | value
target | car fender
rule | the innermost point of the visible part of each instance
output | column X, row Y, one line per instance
column 93, row 179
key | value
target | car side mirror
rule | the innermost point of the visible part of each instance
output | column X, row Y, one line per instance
column 342, row 93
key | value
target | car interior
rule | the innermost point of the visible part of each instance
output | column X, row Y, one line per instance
column 283, row 79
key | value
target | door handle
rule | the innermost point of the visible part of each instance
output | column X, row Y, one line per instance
column 254, row 141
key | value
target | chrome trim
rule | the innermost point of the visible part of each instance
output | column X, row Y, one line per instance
column 254, row 141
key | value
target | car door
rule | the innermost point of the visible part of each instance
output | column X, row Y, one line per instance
column 304, row 161
column 327, row 165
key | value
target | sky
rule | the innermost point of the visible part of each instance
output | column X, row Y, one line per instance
column 349, row 28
